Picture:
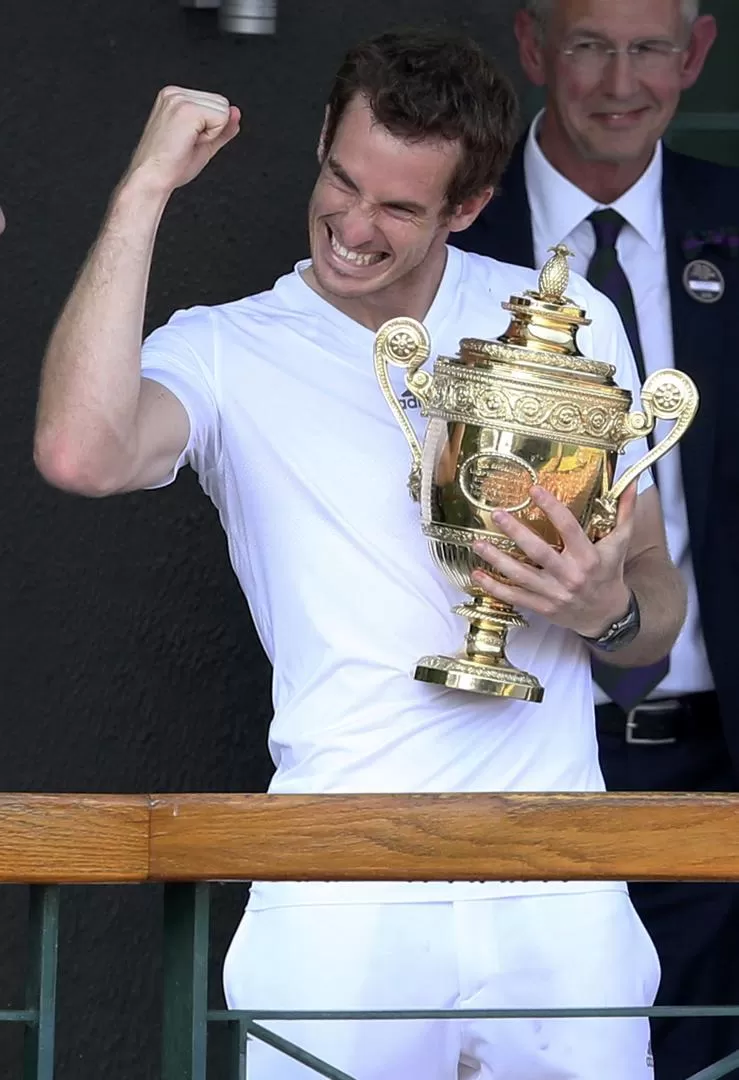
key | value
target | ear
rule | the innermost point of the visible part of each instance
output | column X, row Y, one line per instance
column 321, row 148
column 702, row 37
column 530, row 47
column 464, row 214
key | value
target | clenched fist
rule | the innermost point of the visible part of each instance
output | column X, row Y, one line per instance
column 185, row 130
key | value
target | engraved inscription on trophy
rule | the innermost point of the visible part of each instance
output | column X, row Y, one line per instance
column 492, row 480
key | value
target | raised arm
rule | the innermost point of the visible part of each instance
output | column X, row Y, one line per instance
column 100, row 427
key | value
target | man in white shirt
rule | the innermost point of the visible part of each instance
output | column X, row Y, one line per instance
column 654, row 230
column 273, row 401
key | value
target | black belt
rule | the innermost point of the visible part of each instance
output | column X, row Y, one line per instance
column 662, row 722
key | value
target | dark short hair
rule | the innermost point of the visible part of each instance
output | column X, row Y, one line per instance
column 432, row 85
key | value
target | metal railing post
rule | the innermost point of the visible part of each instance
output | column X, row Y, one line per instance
column 186, row 931
column 43, row 948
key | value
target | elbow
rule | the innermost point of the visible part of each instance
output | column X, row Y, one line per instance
column 73, row 468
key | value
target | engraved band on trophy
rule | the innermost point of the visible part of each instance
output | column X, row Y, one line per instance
column 505, row 414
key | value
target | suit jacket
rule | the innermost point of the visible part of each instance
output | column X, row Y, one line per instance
column 700, row 203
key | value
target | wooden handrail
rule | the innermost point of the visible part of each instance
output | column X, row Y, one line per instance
column 138, row 838
column 74, row 838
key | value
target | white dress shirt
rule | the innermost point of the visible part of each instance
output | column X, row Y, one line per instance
column 559, row 212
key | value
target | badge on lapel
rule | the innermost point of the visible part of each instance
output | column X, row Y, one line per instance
column 704, row 281
column 702, row 278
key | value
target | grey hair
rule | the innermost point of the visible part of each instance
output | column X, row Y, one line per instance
column 542, row 9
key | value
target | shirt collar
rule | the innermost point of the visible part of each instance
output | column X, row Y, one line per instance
column 558, row 206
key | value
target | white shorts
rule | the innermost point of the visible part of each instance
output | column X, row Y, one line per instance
column 574, row 950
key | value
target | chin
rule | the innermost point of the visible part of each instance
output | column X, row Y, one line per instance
column 616, row 151
column 345, row 286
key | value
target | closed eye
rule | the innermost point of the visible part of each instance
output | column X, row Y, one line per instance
column 401, row 210
column 342, row 178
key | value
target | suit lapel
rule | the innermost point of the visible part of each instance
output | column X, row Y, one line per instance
column 696, row 343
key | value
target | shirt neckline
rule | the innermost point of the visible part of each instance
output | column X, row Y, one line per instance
column 437, row 312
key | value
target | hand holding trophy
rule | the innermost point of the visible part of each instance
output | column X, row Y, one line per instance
column 527, row 408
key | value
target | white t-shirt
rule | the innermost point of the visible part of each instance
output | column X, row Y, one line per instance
column 293, row 441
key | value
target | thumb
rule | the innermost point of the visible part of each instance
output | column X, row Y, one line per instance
column 233, row 125
column 219, row 137
column 626, row 506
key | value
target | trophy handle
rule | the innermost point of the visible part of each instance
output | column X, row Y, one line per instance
column 405, row 343
column 666, row 395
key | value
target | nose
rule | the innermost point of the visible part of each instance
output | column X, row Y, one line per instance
column 618, row 78
column 357, row 225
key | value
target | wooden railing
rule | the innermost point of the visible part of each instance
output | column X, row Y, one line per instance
column 187, row 841
column 138, row 838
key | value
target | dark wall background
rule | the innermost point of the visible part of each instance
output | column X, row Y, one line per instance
column 128, row 661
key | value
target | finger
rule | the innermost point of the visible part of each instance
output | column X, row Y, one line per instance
column 217, row 136
column 213, row 122
column 513, row 569
column 526, row 540
column 562, row 518
column 233, row 126
column 175, row 98
column 620, row 535
column 213, row 101
column 210, row 113
column 198, row 97
column 511, row 594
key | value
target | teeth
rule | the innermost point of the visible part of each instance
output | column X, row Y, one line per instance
column 355, row 257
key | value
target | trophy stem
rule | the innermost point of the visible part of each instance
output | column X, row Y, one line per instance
column 484, row 668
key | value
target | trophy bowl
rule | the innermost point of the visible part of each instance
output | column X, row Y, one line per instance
column 526, row 408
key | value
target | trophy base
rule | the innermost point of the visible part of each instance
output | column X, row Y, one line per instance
column 491, row 679
column 484, row 668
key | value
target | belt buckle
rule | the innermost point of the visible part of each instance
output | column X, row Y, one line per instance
column 632, row 722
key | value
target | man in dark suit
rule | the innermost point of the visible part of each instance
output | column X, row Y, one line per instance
column 656, row 231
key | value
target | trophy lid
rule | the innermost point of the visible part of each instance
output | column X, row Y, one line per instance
column 543, row 328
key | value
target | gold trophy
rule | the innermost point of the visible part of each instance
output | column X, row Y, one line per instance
column 527, row 408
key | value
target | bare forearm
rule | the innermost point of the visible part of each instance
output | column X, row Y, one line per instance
column 91, row 374
column 660, row 591
column 100, row 429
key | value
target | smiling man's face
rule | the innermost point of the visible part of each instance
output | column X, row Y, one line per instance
column 376, row 216
column 613, row 108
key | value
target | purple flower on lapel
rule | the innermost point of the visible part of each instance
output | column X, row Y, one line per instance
column 724, row 240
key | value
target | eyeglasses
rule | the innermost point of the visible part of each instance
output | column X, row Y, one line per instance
column 590, row 57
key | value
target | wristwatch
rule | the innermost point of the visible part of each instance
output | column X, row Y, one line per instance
column 620, row 633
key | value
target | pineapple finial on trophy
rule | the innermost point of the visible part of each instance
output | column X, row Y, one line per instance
column 555, row 273
column 545, row 320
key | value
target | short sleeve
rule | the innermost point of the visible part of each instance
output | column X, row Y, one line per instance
column 181, row 356
column 608, row 342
